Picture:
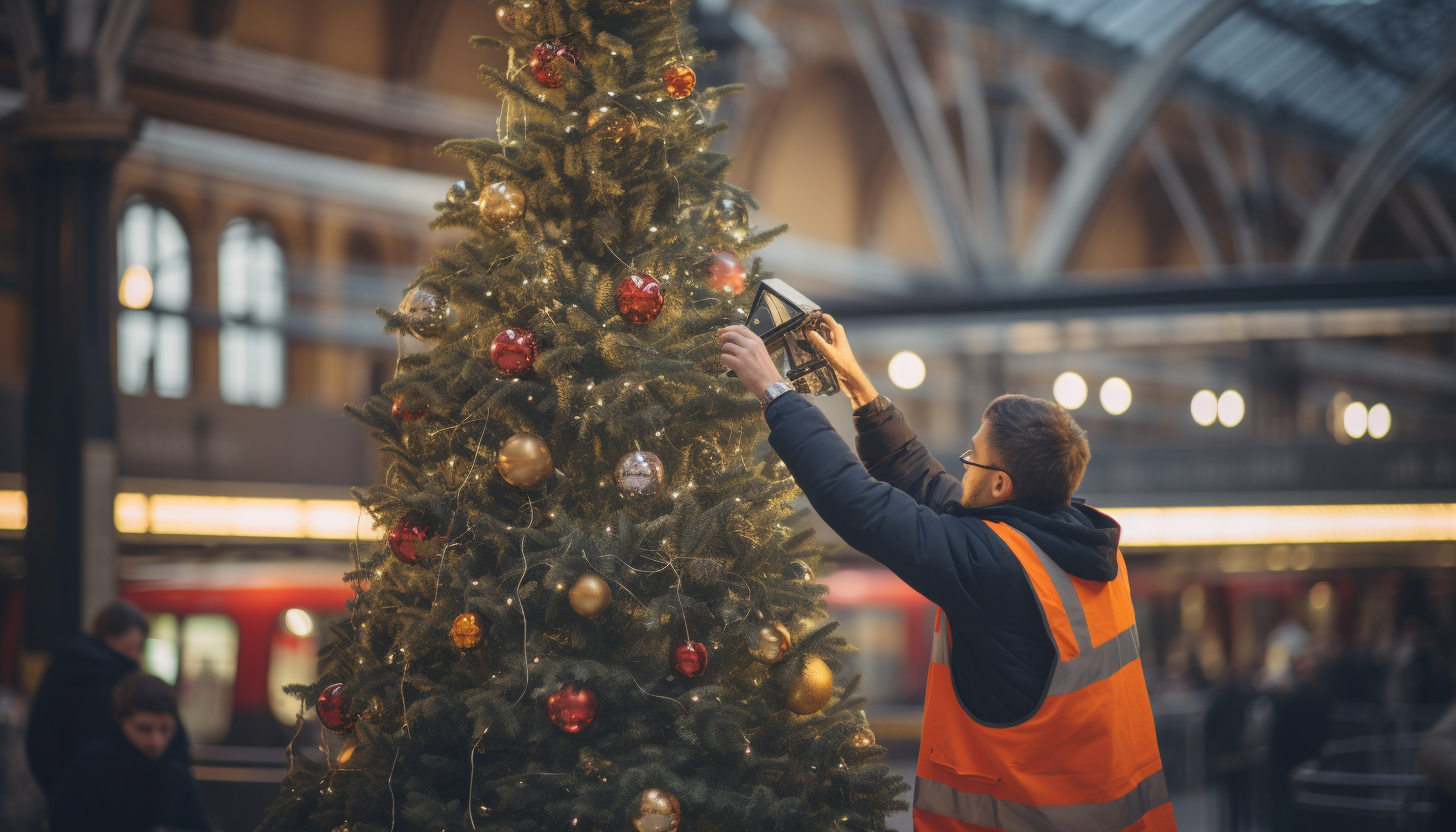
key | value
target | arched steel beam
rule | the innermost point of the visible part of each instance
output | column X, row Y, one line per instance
column 1120, row 119
column 1366, row 176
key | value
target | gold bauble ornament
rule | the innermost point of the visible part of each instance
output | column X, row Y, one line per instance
column 617, row 125
column 657, row 811
column 811, row 689
column 511, row 18
column 769, row 643
column 525, row 460
column 501, row 204
column 679, row 81
column 466, row 631
column 590, row 595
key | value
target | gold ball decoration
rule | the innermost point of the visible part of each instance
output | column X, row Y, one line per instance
column 618, row 126
column 680, row 81
column 770, row 643
column 511, row 18
column 466, row 631
column 590, row 595
column 863, row 738
column 811, row 689
column 657, row 811
column 501, row 203
column 525, row 460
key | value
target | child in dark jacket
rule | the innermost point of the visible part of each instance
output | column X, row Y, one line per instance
column 127, row 781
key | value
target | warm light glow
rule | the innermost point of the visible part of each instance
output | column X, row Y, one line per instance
column 1379, row 421
column 1230, row 408
column 907, row 371
column 1254, row 525
column 1320, row 595
column 298, row 622
column 180, row 514
column 12, row 510
column 1355, row 419
column 1204, row 407
column 136, row 288
column 1116, row 396
column 1070, row 390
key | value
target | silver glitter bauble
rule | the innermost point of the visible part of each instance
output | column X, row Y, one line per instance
column 426, row 315
column 639, row 474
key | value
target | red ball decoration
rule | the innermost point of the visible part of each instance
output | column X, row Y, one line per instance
column 572, row 708
column 406, row 536
column 639, row 298
column 405, row 414
column 726, row 273
column 331, row 710
column 513, row 351
column 690, row 659
column 547, row 60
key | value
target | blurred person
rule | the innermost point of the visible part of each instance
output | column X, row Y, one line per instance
column 72, row 707
column 1036, row 712
column 1300, row 728
column 1234, row 745
column 126, row 781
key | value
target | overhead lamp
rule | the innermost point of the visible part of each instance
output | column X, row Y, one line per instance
column 907, row 370
column 1204, row 407
column 1355, row 419
column 298, row 622
column 1379, row 421
column 1230, row 408
column 1115, row 395
column 1070, row 390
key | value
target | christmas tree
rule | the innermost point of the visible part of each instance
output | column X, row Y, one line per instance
column 591, row 611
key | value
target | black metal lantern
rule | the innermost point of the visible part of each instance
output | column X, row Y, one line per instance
column 782, row 317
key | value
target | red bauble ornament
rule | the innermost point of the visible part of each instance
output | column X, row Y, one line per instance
column 690, row 659
column 639, row 298
column 405, row 414
column 547, row 60
column 331, row 710
column 513, row 351
column 679, row 81
column 405, row 537
column 572, row 708
column 726, row 273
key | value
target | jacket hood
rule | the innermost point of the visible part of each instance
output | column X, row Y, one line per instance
column 1079, row 538
column 87, row 660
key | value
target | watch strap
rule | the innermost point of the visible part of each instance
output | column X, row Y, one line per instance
column 773, row 391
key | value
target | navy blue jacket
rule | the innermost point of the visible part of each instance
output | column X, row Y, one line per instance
column 901, row 508
column 113, row 786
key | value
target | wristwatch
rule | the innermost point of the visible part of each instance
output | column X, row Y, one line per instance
column 773, row 391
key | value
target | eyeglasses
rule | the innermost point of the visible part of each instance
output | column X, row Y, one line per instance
column 963, row 458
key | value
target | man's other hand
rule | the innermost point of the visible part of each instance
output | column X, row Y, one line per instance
column 745, row 354
column 836, row 352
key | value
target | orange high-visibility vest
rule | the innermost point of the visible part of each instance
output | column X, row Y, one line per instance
column 1085, row 760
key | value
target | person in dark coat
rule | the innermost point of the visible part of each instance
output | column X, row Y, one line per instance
column 127, row 781
column 931, row 539
column 73, row 705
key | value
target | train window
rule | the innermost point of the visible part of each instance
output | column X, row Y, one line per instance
column 209, row 668
column 159, row 653
column 879, row 633
column 292, row 660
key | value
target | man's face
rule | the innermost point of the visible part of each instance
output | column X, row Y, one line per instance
column 150, row 733
column 128, row 644
column 980, row 487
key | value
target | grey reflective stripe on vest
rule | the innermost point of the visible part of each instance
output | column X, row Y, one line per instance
column 984, row 810
column 1093, row 664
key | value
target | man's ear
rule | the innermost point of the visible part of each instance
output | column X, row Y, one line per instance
column 1010, row 488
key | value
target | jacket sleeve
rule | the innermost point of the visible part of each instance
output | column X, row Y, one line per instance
column 892, row 453
column 935, row 554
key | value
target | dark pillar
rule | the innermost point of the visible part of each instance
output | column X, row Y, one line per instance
column 68, row 138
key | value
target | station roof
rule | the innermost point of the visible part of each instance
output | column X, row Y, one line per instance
column 1336, row 70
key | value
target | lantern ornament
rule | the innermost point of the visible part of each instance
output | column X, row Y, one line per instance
column 782, row 317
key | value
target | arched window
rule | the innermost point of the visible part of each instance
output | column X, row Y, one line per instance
column 154, row 282
column 252, row 299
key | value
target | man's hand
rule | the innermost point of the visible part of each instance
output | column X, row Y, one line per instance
column 836, row 352
column 745, row 354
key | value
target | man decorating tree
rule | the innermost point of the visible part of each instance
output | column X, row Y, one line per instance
column 1036, row 713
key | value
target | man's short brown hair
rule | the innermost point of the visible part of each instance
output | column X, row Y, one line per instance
column 118, row 618
column 138, row 692
column 1040, row 446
